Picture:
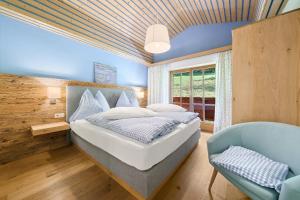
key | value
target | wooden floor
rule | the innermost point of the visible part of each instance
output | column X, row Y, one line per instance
column 67, row 174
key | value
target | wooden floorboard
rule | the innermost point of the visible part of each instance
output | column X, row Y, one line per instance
column 67, row 174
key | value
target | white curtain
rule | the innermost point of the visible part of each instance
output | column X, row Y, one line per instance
column 223, row 107
column 158, row 76
column 158, row 84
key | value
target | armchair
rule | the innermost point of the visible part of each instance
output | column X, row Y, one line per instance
column 280, row 142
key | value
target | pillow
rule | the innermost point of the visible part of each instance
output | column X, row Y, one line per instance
column 127, row 112
column 166, row 108
column 88, row 105
column 134, row 102
column 252, row 166
column 102, row 101
column 123, row 101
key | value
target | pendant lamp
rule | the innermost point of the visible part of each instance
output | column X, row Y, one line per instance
column 157, row 39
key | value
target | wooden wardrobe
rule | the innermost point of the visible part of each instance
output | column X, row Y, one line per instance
column 266, row 70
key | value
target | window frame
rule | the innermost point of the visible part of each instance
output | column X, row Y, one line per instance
column 190, row 70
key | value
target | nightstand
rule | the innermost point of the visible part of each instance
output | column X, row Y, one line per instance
column 49, row 128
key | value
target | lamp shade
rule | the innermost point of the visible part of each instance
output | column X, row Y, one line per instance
column 157, row 39
column 54, row 92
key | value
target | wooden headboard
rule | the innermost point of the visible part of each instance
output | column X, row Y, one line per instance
column 24, row 102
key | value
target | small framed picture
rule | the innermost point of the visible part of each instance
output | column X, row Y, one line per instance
column 105, row 73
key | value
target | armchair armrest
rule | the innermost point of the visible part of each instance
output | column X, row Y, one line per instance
column 290, row 189
column 223, row 139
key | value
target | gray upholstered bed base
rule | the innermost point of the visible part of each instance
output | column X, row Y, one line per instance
column 143, row 182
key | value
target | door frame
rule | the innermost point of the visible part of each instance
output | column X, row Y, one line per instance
column 190, row 70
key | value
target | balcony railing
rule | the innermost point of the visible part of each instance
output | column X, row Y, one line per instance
column 204, row 106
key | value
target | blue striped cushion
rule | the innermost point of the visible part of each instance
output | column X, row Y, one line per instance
column 253, row 166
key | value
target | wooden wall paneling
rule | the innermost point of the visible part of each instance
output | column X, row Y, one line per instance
column 24, row 102
column 266, row 68
column 143, row 101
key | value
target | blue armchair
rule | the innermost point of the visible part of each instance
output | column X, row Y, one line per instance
column 280, row 142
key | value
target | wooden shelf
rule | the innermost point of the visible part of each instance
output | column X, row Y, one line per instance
column 49, row 128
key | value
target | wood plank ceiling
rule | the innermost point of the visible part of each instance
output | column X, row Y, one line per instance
column 119, row 26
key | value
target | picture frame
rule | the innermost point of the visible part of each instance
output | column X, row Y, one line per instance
column 105, row 74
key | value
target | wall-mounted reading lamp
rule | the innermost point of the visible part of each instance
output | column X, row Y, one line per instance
column 53, row 93
column 140, row 94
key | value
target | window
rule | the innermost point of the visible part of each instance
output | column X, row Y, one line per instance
column 194, row 89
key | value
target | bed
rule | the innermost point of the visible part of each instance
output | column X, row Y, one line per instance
column 140, row 168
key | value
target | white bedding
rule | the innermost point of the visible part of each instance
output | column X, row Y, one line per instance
column 134, row 153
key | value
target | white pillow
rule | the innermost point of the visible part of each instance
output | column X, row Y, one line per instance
column 88, row 105
column 123, row 101
column 134, row 102
column 127, row 112
column 102, row 101
column 166, row 108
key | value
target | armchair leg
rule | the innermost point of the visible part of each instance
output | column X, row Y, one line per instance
column 212, row 179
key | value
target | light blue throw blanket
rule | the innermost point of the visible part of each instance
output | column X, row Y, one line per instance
column 183, row 117
column 144, row 129
column 253, row 166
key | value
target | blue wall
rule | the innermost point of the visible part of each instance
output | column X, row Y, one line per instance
column 28, row 50
column 199, row 38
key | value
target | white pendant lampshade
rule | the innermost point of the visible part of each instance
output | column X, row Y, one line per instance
column 157, row 39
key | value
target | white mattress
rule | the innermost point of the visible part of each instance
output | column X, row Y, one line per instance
column 139, row 155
